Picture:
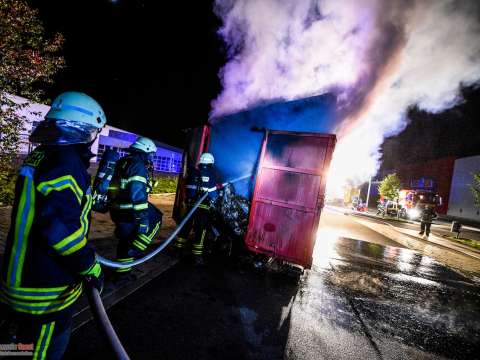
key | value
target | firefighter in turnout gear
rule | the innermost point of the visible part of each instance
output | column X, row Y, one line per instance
column 47, row 256
column 137, row 222
column 426, row 217
column 198, row 182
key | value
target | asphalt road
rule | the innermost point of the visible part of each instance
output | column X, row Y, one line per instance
column 439, row 227
column 362, row 300
column 336, row 224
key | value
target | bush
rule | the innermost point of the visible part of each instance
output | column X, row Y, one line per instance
column 7, row 186
column 165, row 184
column 29, row 61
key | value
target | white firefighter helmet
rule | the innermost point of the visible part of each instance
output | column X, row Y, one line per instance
column 74, row 118
column 206, row 159
column 144, row 144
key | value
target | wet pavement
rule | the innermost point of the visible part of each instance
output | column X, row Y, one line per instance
column 362, row 300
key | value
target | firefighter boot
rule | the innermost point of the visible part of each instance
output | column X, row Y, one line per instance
column 178, row 249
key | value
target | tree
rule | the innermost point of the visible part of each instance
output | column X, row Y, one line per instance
column 390, row 187
column 28, row 62
column 475, row 188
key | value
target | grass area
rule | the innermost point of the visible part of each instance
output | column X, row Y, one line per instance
column 469, row 242
column 165, row 184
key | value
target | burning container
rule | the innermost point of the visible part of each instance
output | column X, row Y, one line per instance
column 285, row 148
column 289, row 195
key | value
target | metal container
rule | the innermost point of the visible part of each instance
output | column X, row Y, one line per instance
column 282, row 146
column 289, row 195
column 236, row 139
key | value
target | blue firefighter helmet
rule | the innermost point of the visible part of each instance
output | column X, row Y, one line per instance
column 74, row 118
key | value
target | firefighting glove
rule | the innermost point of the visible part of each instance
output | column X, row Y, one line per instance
column 94, row 277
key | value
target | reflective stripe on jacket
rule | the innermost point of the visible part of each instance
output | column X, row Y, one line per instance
column 199, row 181
column 129, row 187
column 47, row 249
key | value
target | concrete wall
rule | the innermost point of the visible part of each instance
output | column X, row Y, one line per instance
column 461, row 203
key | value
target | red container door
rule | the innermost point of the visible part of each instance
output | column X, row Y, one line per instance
column 289, row 195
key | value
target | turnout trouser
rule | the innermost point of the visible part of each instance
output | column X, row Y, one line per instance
column 425, row 228
column 130, row 243
column 48, row 335
column 199, row 222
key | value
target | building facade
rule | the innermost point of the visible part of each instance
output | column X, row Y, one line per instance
column 461, row 203
column 168, row 159
column 450, row 177
column 434, row 175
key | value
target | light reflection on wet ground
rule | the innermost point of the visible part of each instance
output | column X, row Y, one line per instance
column 365, row 300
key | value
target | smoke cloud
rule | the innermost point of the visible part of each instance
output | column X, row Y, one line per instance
column 378, row 57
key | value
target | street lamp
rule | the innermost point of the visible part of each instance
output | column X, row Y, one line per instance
column 368, row 191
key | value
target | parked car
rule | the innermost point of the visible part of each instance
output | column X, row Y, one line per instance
column 388, row 208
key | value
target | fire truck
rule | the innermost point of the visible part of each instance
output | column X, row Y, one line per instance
column 421, row 192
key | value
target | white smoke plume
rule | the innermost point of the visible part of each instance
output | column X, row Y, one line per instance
column 379, row 56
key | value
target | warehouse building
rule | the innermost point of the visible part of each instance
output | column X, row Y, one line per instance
column 168, row 159
column 450, row 177
column 461, row 203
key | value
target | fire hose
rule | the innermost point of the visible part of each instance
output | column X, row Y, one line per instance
column 93, row 294
column 101, row 317
column 115, row 264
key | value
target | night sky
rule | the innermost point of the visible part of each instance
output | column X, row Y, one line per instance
column 152, row 65
column 454, row 132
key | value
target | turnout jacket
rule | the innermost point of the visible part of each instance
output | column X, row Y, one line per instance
column 129, row 190
column 198, row 182
column 47, row 252
column 427, row 215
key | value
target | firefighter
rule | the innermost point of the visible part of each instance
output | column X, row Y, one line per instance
column 198, row 181
column 426, row 216
column 137, row 221
column 47, row 255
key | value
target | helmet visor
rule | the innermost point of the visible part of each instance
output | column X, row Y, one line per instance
column 63, row 132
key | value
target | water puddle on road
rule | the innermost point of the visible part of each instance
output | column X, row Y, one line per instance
column 357, row 281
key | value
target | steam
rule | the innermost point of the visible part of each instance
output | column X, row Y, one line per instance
column 379, row 58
